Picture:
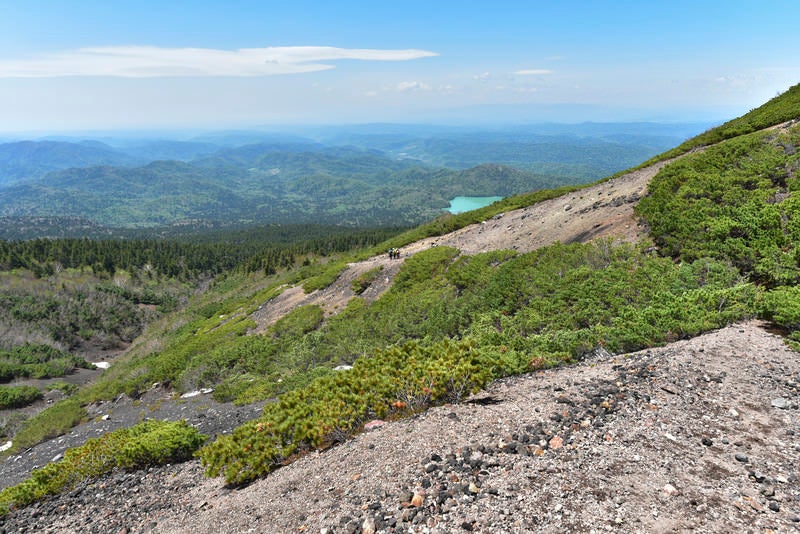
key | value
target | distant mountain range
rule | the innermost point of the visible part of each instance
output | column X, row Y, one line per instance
column 359, row 176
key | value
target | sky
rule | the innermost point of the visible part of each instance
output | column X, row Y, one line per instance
column 89, row 65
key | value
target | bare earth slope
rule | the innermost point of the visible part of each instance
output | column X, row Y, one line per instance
column 699, row 435
column 603, row 210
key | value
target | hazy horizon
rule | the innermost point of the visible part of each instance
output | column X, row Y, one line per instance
column 208, row 65
column 312, row 131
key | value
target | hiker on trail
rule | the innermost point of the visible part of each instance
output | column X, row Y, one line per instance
column 391, row 253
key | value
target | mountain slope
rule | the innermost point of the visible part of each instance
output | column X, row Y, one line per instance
column 24, row 160
column 604, row 210
column 693, row 435
column 688, row 442
column 665, row 456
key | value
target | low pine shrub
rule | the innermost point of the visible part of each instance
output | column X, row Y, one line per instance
column 399, row 379
column 146, row 444
column 38, row 361
column 782, row 306
column 18, row 396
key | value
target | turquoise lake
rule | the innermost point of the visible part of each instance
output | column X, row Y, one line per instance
column 460, row 204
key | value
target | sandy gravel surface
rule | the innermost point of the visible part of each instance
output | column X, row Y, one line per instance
column 604, row 210
column 700, row 435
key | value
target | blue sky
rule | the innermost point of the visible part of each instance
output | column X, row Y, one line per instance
column 199, row 64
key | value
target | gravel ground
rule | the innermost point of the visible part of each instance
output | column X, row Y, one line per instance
column 201, row 411
column 700, row 435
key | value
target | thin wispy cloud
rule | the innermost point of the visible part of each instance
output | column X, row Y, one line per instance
column 153, row 62
column 413, row 86
column 533, row 72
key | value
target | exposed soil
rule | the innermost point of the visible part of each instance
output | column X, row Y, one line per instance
column 604, row 210
column 699, row 435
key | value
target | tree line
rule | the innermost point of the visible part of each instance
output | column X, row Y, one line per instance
column 260, row 249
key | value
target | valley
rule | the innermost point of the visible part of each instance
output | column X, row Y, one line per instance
column 333, row 177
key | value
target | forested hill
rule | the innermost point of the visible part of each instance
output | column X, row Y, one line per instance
column 31, row 159
column 359, row 176
column 250, row 186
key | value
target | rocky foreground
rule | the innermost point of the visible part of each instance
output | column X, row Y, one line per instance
column 701, row 435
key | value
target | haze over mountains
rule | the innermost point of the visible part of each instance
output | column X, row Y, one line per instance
column 389, row 174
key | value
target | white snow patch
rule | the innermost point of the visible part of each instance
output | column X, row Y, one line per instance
column 6, row 446
column 202, row 391
column 102, row 365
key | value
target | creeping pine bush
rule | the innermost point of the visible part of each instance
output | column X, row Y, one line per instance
column 38, row 361
column 18, row 396
column 782, row 306
column 146, row 444
column 396, row 380
column 735, row 202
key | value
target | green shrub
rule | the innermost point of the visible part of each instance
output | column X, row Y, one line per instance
column 18, row 396
column 396, row 380
column 424, row 266
column 146, row 444
column 782, row 306
column 733, row 203
column 38, row 361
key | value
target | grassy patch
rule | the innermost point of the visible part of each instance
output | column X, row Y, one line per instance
column 50, row 423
